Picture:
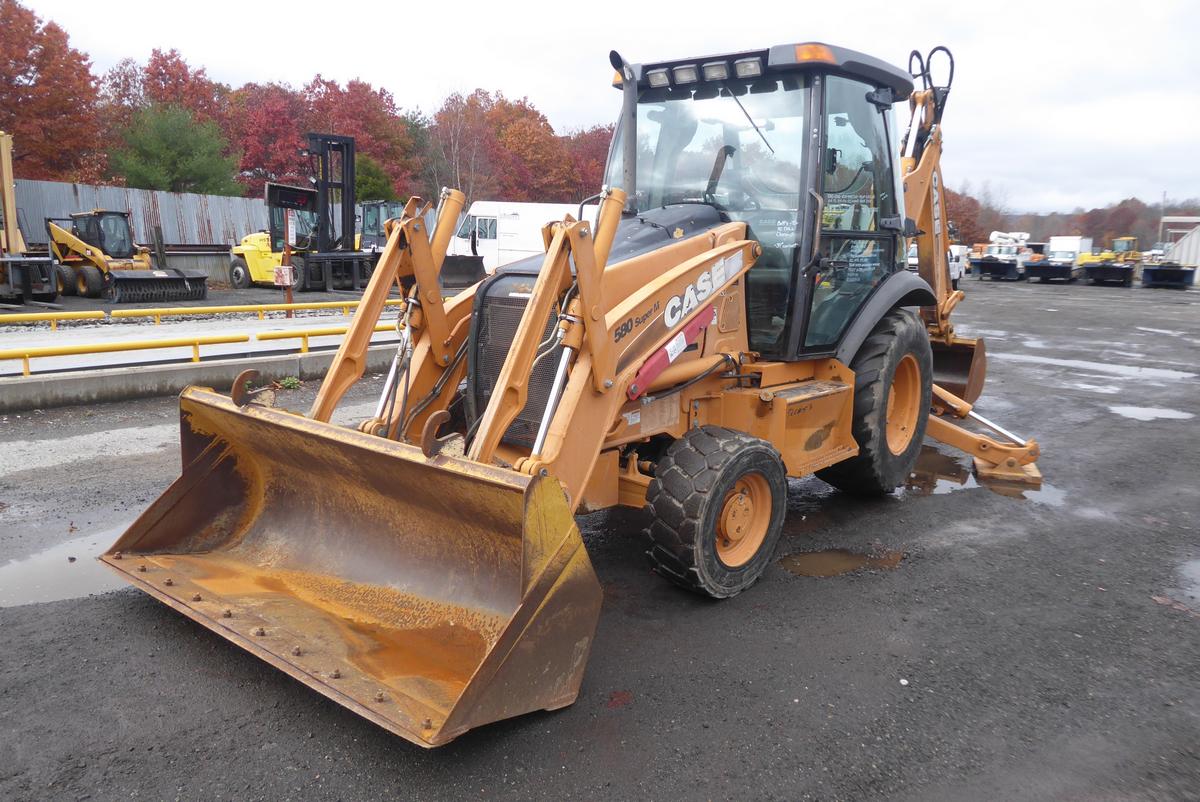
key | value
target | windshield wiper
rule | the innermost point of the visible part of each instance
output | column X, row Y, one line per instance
column 750, row 119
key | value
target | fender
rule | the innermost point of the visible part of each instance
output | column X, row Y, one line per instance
column 902, row 288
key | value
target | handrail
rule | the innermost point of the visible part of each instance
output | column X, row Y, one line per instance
column 52, row 317
column 25, row 354
column 304, row 334
column 259, row 309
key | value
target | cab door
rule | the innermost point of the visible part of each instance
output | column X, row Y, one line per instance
column 862, row 212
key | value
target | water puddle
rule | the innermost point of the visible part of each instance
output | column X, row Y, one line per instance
column 1123, row 371
column 937, row 473
column 835, row 562
column 1151, row 413
column 1189, row 572
column 1095, row 388
column 67, row 570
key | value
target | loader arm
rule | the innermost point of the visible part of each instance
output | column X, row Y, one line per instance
column 68, row 248
column 408, row 253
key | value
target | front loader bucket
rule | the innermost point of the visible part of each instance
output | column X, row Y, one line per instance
column 960, row 367
column 427, row 595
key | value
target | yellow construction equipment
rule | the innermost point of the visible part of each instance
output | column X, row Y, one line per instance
column 739, row 312
column 1117, row 265
column 97, row 256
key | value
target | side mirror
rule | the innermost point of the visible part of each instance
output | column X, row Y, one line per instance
column 831, row 160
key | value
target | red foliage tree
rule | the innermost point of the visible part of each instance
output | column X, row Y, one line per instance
column 370, row 116
column 532, row 162
column 963, row 211
column 588, row 150
column 168, row 80
column 266, row 128
column 47, row 99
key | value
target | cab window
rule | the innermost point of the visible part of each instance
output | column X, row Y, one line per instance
column 485, row 227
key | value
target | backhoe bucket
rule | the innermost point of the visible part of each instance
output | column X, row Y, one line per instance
column 429, row 595
column 960, row 367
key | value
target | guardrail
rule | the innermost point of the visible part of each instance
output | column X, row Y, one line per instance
column 259, row 309
column 53, row 318
column 25, row 354
column 304, row 334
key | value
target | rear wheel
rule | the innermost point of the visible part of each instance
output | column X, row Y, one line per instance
column 717, row 504
column 239, row 273
column 893, row 383
column 66, row 280
column 89, row 282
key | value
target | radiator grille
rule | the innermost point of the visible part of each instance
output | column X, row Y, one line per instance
column 498, row 320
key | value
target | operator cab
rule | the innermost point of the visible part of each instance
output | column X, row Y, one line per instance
column 374, row 215
column 108, row 231
column 781, row 140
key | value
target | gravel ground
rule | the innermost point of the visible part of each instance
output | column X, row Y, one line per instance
column 1044, row 647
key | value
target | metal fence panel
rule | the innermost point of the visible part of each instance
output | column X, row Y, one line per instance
column 186, row 218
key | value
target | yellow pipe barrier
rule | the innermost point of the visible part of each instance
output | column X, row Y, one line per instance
column 52, row 317
column 259, row 309
column 304, row 334
column 25, row 354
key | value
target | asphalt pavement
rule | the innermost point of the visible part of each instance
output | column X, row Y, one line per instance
column 1044, row 645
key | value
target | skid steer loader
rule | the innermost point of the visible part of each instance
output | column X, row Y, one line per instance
column 96, row 256
column 738, row 313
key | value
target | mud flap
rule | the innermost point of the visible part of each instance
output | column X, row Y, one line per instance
column 430, row 596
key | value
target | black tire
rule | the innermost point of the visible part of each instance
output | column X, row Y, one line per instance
column 66, row 280
column 299, row 274
column 239, row 273
column 89, row 282
column 878, row 469
column 694, row 485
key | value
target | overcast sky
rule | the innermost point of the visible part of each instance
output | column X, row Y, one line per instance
column 1056, row 105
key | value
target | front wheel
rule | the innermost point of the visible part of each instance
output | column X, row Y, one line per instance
column 893, row 388
column 89, row 282
column 716, row 504
column 239, row 273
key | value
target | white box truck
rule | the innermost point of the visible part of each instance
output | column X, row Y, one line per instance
column 503, row 231
column 1062, row 259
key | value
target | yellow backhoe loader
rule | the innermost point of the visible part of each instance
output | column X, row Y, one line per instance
column 97, row 256
column 739, row 312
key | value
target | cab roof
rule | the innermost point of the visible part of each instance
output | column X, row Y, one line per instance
column 793, row 57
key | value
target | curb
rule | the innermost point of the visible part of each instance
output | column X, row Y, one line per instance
column 119, row 384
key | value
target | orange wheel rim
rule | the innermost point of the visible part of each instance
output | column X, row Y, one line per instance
column 903, row 404
column 80, row 283
column 744, row 519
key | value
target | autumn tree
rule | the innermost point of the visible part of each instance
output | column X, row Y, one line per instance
column 168, row 80
column 166, row 148
column 369, row 115
column 121, row 95
column 963, row 211
column 588, row 150
column 47, row 99
column 462, row 145
column 266, row 127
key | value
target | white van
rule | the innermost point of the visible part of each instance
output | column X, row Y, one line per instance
column 503, row 232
